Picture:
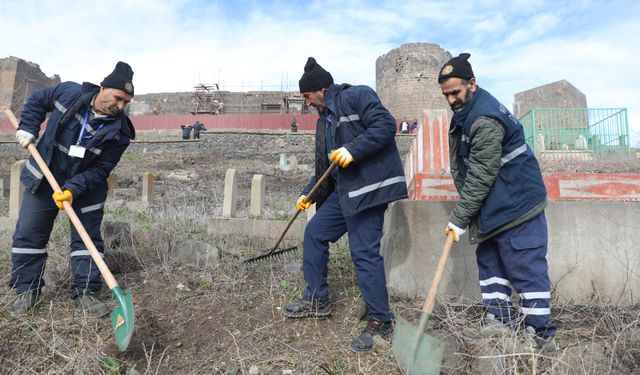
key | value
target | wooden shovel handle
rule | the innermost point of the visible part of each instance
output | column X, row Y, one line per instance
column 102, row 266
column 295, row 215
column 442, row 263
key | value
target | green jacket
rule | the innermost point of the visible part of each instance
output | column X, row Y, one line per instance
column 486, row 139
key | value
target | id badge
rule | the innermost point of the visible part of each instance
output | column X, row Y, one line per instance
column 76, row 151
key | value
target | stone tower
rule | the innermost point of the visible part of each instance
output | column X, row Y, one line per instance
column 18, row 80
column 407, row 79
column 559, row 94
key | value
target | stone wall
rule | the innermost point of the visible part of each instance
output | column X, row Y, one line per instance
column 407, row 79
column 559, row 94
column 227, row 102
column 18, row 80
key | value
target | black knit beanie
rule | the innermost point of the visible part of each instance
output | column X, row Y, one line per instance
column 456, row 67
column 314, row 77
column 120, row 78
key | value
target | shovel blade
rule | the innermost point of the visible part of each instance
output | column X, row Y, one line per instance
column 415, row 351
column 122, row 318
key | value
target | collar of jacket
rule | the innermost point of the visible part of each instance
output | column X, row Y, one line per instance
column 460, row 116
column 88, row 92
column 331, row 97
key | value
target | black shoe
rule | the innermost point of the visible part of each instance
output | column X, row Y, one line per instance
column 305, row 309
column 364, row 342
column 24, row 302
column 91, row 306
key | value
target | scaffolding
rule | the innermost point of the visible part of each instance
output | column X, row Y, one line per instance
column 207, row 99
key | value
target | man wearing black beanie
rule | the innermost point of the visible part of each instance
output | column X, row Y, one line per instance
column 356, row 132
column 502, row 202
column 87, row 132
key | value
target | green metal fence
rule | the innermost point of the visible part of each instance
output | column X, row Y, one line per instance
column 588, row 133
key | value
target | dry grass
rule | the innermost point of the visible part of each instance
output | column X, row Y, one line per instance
column 218, row 319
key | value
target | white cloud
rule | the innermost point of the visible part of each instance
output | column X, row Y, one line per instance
column 173, row 45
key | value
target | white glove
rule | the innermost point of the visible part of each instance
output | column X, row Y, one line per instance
column 24, row 138
column 457, row 231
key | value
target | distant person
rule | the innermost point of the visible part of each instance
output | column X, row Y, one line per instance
column 197, row 127
column 358, row 132
column 404, row 126
column 413, row 126
column 86, row 134
column 186, row 131
column 294, row 125
column 502, row 202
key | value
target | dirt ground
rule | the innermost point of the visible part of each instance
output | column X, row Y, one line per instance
column 226, row 318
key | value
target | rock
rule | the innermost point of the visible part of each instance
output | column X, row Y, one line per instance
column 451, row 358
column 116, row 235
column 492, row 361
column 120, row 262
column 287, row 372
column 198, row 254
column 254, row 370
column 589, row 355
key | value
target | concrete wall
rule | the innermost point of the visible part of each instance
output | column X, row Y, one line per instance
column 593, row 253
column 407, row 79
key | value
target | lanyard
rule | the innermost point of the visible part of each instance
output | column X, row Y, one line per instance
column 84, row 125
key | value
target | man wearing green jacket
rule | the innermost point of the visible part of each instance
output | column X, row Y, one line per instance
column 502, row 202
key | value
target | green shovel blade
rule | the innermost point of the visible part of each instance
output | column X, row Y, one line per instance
column 415, row 351
column 122, row 318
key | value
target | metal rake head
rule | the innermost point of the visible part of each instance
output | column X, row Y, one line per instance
column 270, row 254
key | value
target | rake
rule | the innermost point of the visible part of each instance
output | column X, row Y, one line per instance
column 273, row 252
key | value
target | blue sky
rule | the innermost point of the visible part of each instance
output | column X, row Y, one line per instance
column 247, row 45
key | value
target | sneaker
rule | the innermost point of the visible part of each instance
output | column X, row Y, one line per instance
column 490, row 327
column 24, row 302
column 91, row 306
column 364, row 342
column 306, row 309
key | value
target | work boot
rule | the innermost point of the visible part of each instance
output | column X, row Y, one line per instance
column 306, row 309
column 24, row 302
column 529, row 342
column 91, row 306
column 542, row 344
column 490, row 327
column 364, row 342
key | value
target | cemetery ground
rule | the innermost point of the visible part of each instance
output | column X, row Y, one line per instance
column 221, row 317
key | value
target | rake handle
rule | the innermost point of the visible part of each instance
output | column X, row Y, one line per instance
column 430, row 302
column 324, row 176
column 102, row 266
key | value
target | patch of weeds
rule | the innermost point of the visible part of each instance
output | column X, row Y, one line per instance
column 32, row 328
column 339, row 254
column 180, row 295
column 337, row 366
column 129, row 157
column 111, row 366
column 207, row 285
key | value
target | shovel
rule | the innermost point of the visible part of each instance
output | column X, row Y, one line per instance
column 272, row 252
column 122, row 317
column 416, row 352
